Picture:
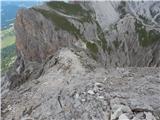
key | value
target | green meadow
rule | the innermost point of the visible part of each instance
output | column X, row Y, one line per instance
column 8, row 50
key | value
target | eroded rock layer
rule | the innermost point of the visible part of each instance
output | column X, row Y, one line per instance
column 74, row 90
column 85, row 61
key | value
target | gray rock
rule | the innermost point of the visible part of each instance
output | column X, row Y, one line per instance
column 139, row 116
column 123, row 117
column 135, row 118
column 119, row 110
column 91, row 92
column 124, row 109
column 38, row 37
column 149, row 116
column 116, row 114
column 70, row 53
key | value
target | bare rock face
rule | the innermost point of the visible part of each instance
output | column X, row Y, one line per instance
column 67, row 54
column 36, row 37
column 71, row 90
column 120, row 41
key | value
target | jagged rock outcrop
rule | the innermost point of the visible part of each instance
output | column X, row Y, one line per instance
column 115, row 38
column 67, row 54
column 79, row 88
column 109, row 37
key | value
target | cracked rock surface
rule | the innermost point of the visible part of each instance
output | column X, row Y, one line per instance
column 71, row 91
column 95, row 61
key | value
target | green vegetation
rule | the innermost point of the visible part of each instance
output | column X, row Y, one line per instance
column 122, row 9
column 146, row 38
column 109, row 49
column 60, row 22
column 7, row 32
column 8, row 37
column 93, row 49
column 10, row 40
column 113, row 27
column 71, row 9
column 8, row 56
column 8, row 50
column 116, row 43
column 145, row 20
column 101, row 36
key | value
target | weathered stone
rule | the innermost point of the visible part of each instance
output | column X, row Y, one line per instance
column 123, row 117
column 91, row 92
column 139, row 116
column 116, row 114
column 40, row 36
column 124, row 109
column 70, row 60
column 149, row 116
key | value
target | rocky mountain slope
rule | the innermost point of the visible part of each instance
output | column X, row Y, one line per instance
column 79, row 88
column 115, row 38
column 67, row 54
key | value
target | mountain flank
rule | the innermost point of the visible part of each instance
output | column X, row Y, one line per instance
column 85, row 61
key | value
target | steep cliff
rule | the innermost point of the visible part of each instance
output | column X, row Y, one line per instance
column 71, row 43
column 108, row 31
column 114, row 34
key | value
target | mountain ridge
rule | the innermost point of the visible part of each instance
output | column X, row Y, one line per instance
column 79, row 55
column 84, row 34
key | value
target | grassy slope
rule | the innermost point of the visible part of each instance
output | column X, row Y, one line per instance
column 8, row 37
column 146, row 38
column 61, row 22
column 71, row 9
column 8, row 53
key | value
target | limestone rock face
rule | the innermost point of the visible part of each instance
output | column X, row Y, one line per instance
column 78, row 88
column 111, row 33
column 36, row 37
column 108, row 31
column 85, row 61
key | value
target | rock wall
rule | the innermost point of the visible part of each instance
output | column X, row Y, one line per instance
column 112, row 40
column 76, row 88
column 66, row 59
column 118, row 40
